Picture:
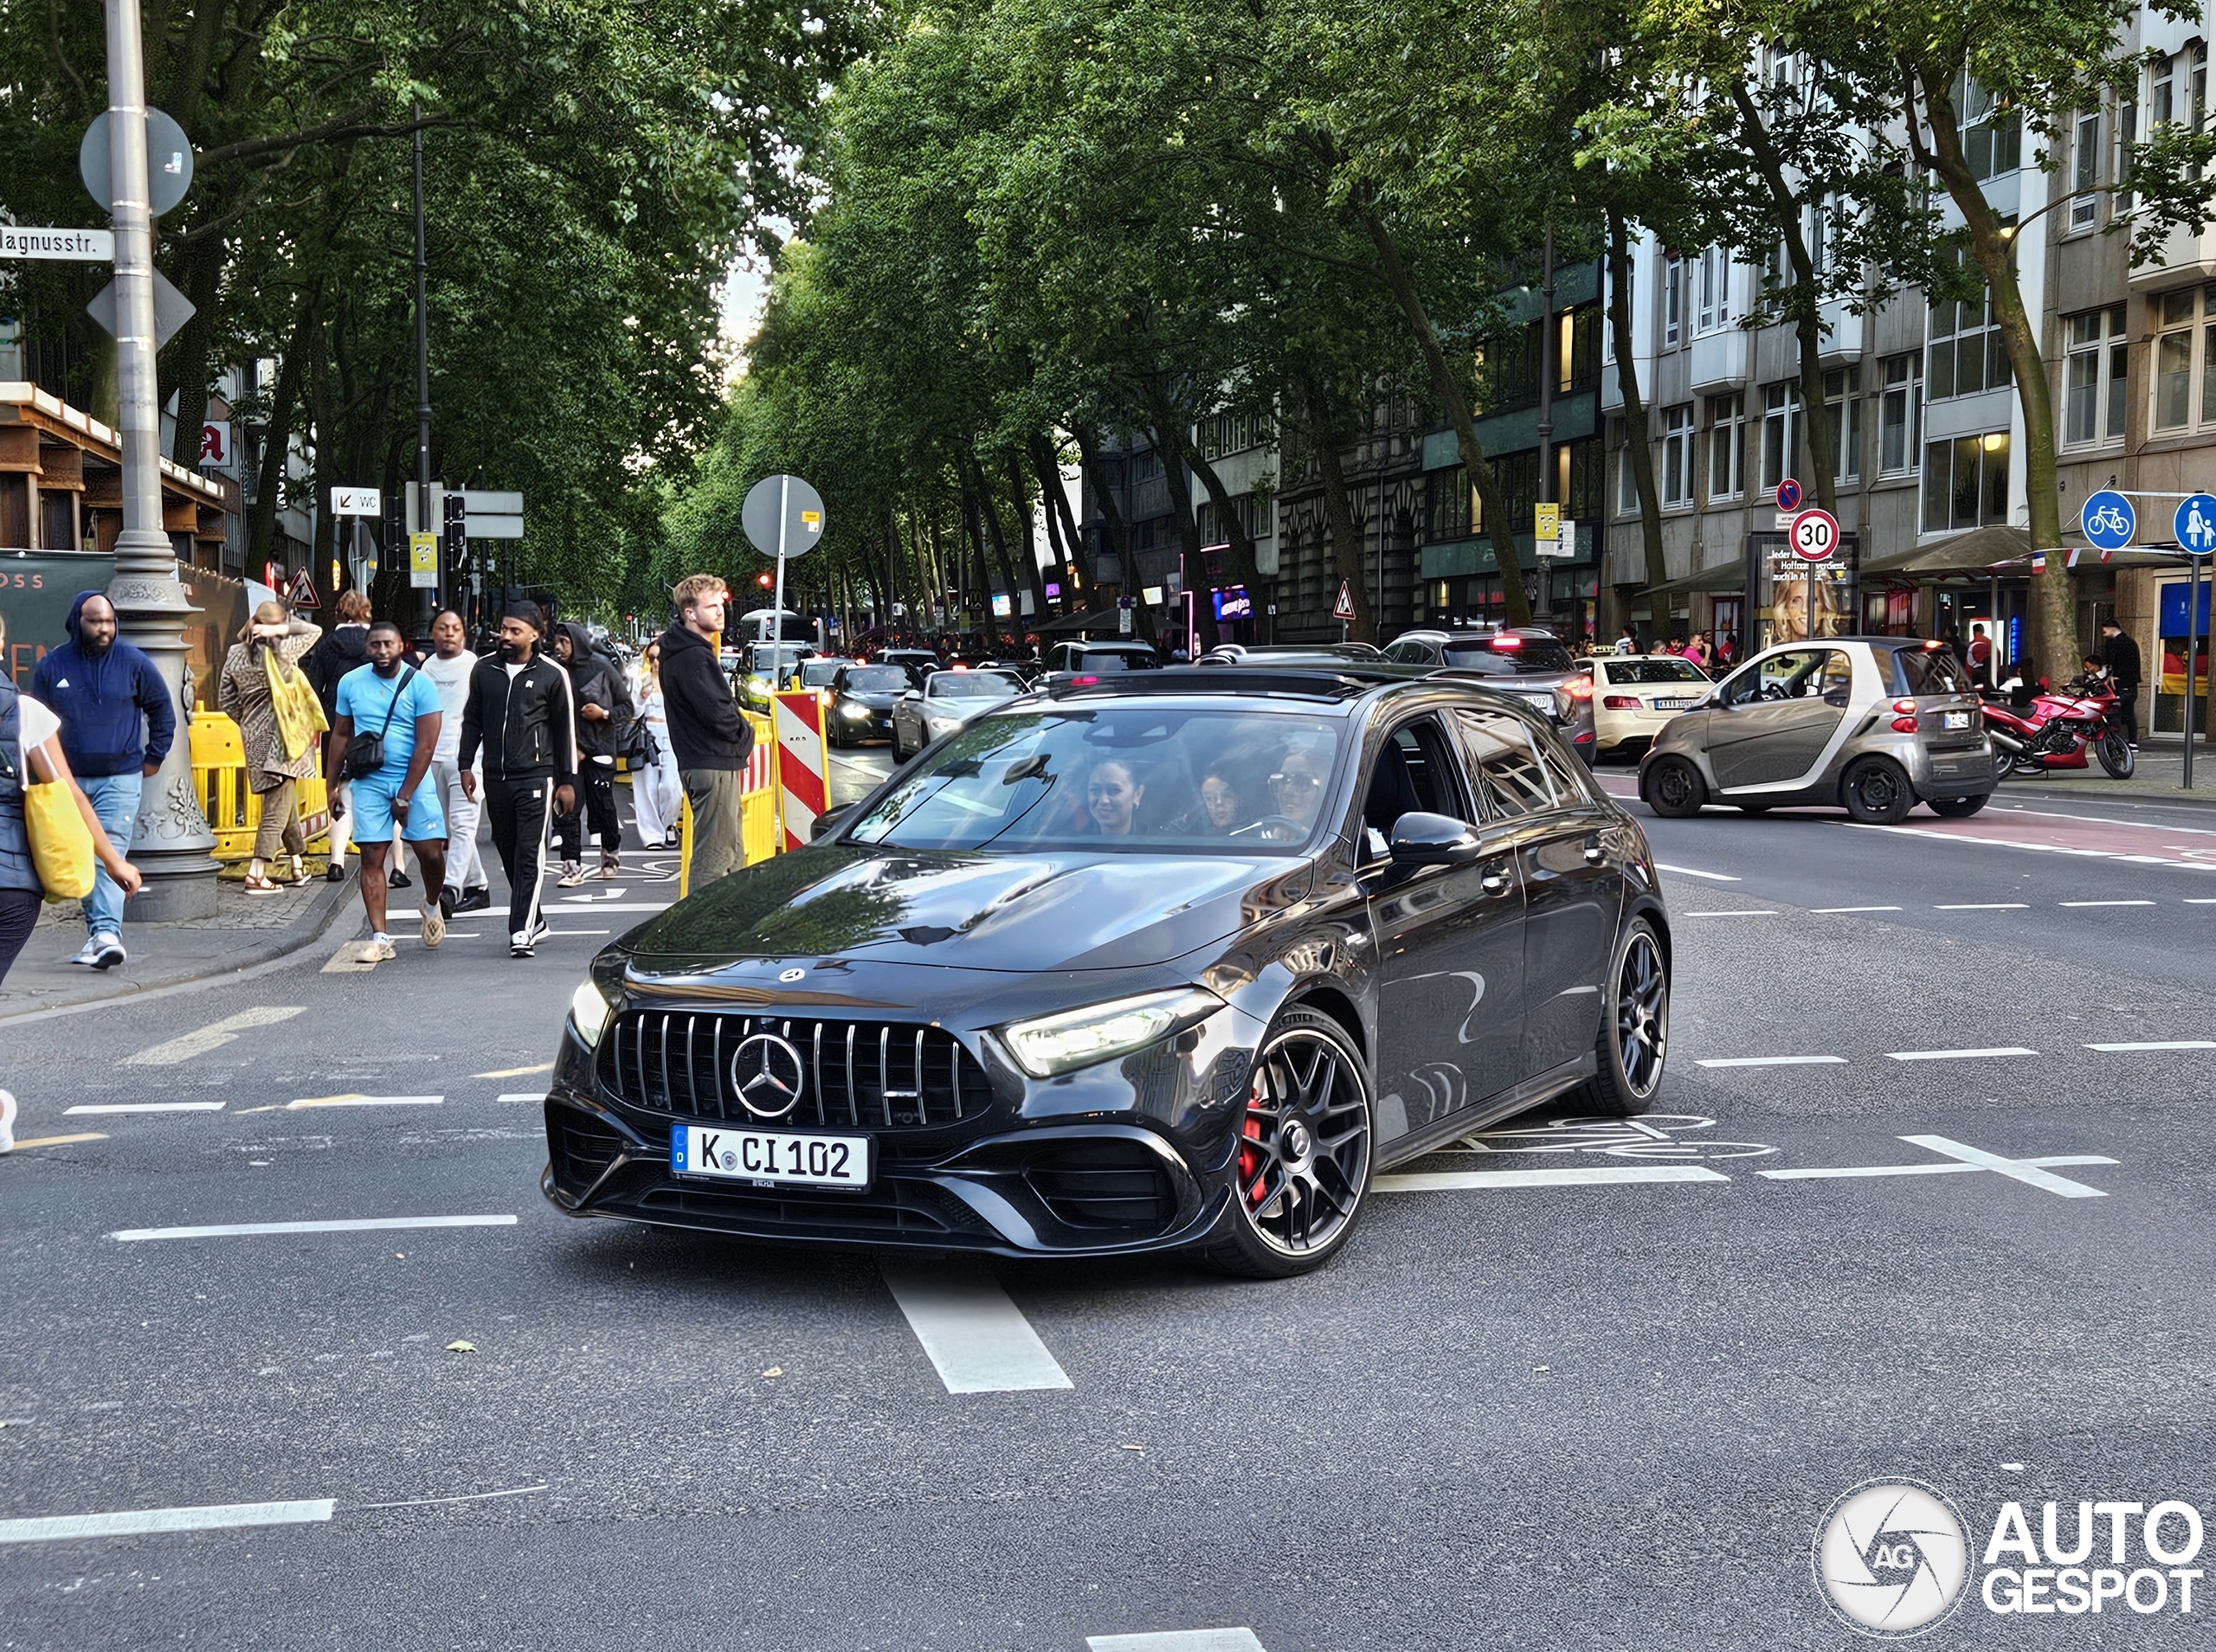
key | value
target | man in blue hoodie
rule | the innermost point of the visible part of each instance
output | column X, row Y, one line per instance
column 116, row 723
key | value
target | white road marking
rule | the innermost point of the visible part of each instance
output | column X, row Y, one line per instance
column 132, row 1522
column 1954, row 1055
column 521, row 1096
column 2032, row 1173
column 369, row 1224
column 560, row 935
column 976, row 1337
column 2158, row 1044
column 516, row 1072
column 1854, row 909
column 1751, row 912
column 214, row 1035
column 2042, row 848
column 364, row 1100
column 1775, row 1061
column 1442, row 1181
column 1694, row 872
column 1986, row 906
column 2200, row 900
column 598, row 907
column 467, row 1497
column 1179, row 1640
column 2104, row 902
column 146, row 1106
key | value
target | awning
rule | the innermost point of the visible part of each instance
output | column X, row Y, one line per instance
column 1071, row 625
column 1724, row 576
column 1973, row 551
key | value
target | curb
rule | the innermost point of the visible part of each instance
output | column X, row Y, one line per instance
column 303, row 933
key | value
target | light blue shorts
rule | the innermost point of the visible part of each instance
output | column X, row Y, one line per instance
column 372, row 801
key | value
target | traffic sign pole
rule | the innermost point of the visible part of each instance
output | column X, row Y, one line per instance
column 777, row 608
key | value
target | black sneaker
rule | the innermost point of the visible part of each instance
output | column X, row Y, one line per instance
column 398, row 879
column 474, row 900
column 449, row 902
column 521, row 944
column 539, row 930
column 336, row 872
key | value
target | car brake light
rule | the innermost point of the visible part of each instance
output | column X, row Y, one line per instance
column 1084, row 682
column 1903, row 725
column 1580, row 688
column 1507, row 644
column 1623, row 703
column 1905, row 708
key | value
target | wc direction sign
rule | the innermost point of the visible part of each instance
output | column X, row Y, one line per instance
column 1815, row 535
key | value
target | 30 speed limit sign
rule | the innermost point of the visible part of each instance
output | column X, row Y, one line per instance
column 1815, row 535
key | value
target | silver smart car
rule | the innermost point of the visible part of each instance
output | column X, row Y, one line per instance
column 1874, row 724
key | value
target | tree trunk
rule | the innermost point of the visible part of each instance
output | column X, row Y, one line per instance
column 277, row 441
column 2054, row 593
column 1636, row 434
column 1188, row 537
column 1517, row 604
column 1044, row 459
column 1338, row 515
column 1234, row 532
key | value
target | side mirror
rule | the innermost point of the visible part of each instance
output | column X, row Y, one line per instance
column 1421, row 839
column 830, row 820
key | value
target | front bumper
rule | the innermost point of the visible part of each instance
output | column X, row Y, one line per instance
column 1131, row 1155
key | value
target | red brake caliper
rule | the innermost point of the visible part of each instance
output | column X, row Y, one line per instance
column 1250, row 1159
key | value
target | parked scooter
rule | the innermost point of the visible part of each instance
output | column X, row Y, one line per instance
column 2035, row 730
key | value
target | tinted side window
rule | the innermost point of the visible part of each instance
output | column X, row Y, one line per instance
column 1414, row 770
column 1513, row 777
column 1927, row 671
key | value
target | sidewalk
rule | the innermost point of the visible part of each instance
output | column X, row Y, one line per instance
column 247, row 930
column 2159, row 774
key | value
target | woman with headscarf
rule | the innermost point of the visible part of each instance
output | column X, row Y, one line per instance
column 271, row 642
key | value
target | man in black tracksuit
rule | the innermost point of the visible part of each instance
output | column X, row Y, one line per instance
column 520, row 714
column 2120, row 654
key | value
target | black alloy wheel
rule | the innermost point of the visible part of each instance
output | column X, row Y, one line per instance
column 1303, row 1165
column 1635, row 1030
column 1960, row 808
column 1877, row 792
column 1674, row 789
column 2115, row 753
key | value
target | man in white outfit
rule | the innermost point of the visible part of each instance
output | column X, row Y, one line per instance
column 448, row 668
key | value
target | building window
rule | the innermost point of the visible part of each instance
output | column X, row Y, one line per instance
column 1966, row 483
column 2093, row 385
column 2127, row 134
column 1712, row 292
column 1900, row 415
column 2183, row 353
column 1968, row 353
column 1842, row 414
column 1991, row 137
column 1727, row 446
column 1673, row 301
column 1447, row 512
column 1678, row 456
column 1626, row 476
column 1781, row 431
column 2085, row 174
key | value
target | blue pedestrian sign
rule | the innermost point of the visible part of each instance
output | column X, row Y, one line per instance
column 2196, row 525
column 2109, row 520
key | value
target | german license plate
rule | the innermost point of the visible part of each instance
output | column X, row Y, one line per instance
column 1679, row 704
column 769, row 1158
column 1954, row 719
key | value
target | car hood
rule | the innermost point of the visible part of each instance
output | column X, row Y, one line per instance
column 961, row 911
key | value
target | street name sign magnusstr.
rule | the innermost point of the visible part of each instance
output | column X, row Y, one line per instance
column 76, row 245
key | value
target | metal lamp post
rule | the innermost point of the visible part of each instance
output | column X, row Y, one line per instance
column 171, row 843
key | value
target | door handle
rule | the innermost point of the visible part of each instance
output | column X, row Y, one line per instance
column 1594, row 852
column 1495, row 880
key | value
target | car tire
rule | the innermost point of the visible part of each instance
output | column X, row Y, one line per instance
column 1876, row 792
column 1672, row 788
column 1960, row 808
column 1634, row 1034
column 1308, row 1141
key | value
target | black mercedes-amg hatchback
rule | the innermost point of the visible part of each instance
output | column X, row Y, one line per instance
column 1175, row 960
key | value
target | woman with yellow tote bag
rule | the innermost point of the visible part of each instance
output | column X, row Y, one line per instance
column 35, row 777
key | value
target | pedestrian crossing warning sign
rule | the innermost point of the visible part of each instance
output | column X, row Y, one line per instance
column 1343, row 608
column 302, row 595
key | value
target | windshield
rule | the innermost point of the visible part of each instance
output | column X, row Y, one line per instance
column 1108, row 659
column 970, row 685
column 1149, row 778
column 1927, row 671
column 1525, row 656
column 1625, row 673
column 876, row 680
column 818, row 673
column 763, row 653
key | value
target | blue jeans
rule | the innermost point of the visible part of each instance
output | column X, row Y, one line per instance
column 114, row 799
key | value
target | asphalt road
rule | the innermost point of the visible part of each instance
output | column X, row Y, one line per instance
column 1593, row 1414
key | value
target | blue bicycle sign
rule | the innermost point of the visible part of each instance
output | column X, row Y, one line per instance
column 2108, row 521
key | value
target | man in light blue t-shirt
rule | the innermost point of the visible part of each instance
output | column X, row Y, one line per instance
column 394, row 702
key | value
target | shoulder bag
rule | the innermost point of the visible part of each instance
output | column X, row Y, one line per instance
column 365, row 752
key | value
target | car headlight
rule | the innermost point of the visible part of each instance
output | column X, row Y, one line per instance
column 1056, row 1043
column 938, row 724
column 588, row 1012
column 850, row 710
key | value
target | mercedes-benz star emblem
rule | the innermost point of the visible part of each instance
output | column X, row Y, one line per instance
column 767, row 1073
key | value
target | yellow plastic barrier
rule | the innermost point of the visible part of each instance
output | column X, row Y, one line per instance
column 761, row 825
column 233, row 812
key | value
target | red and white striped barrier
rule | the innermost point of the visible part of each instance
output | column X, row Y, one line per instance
column 803, row 771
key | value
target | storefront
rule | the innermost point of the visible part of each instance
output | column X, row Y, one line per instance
column 1460, row 586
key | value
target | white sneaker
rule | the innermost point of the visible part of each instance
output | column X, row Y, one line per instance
column 108, row 951
column 7, row 1122
column 434, row 926
column 378, row 951
column 84, row 953
column 573, row 873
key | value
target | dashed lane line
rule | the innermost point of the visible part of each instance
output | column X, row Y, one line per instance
column 1854, row 909
column 521, row 1096
column 59, row 1529
column 144, row 1107
column 214, row 1035
column 516, row 1072
column 1442, row 1181
column 1694, row 871
column 2156, row 1044
column 1985, row 906
column 1750, row 912
column 1957, row 1055
column 2104, row 902
column 1773, row 1061
column 59, row 1140
column 1178, row 1640
column 976, row 1337
column 360, row 1224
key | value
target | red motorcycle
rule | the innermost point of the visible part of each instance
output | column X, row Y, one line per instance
column 2035, row 732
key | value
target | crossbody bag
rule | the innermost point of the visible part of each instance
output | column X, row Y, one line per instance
column 365, row 752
